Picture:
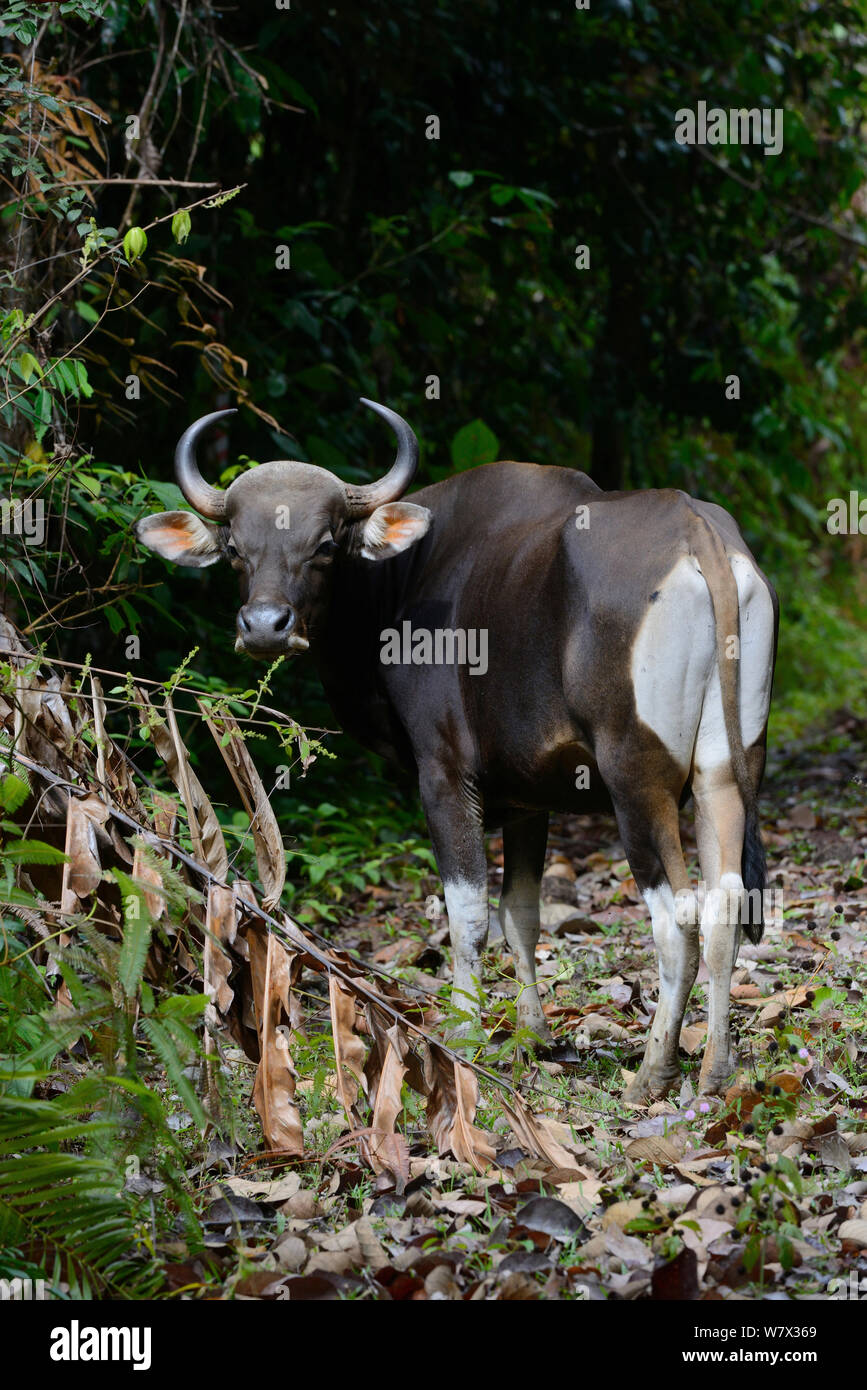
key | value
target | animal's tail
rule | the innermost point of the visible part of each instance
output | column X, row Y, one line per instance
column 711, row 555
column 754, row 872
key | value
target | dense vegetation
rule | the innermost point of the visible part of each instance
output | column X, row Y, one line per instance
column 286, row 209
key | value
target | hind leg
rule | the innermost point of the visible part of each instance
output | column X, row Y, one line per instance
column 677, row 952
column 524, row 844
column 650, row 833
column 719, row 821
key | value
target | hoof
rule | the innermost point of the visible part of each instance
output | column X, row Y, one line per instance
column 715, row 1083
column 645, row 1088
column 715, row 1080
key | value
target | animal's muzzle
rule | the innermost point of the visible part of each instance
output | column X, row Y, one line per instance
column 269, row 629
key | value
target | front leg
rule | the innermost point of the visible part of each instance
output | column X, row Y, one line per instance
column 455, row 824
column 524, row 843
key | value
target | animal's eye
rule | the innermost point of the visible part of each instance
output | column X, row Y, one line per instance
column 327, row 547
column 231, row 551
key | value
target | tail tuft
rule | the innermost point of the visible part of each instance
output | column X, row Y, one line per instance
column 754, row 873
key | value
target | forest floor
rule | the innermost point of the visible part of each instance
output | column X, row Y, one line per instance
column 760, row 1193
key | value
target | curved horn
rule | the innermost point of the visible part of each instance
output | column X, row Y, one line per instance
column 210, row 501
column 365, row 499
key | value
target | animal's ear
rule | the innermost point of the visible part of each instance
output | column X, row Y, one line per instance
column 181, row 537
column 392, row 528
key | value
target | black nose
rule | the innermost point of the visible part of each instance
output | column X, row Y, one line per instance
column 265, row 625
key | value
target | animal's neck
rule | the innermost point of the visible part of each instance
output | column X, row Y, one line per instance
column 365, row 598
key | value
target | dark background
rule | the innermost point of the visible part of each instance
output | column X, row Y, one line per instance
column 452, row 257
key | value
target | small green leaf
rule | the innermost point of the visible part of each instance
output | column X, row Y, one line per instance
column 29, row 366
column 182, row 1006
column 752, row 1252
column 461, row 178
column 79, row 372
column 33, row 852
column 86, row 311
column 474, row 444
column 14, row 791
column 821, row 995
column 137, row 924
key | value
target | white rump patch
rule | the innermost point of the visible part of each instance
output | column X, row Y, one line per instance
column 674, row 671
column 673, row 657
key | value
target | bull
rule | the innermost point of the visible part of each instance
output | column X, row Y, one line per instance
column 630, row 640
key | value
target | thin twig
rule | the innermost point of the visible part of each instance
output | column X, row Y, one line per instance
column 160, row 685
column 114, row 178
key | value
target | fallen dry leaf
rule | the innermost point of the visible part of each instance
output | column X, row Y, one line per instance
column 441, row 1283
column 692, row 1037
column 144, row 871
column 621, row 1213
column 453, row 1094
column 272, row 969
column 205, row 830
column 349, row 1052
column 530, row 1133
column 275, row 1190
column 388, row 1150
column 551, row 1217
column 220, row 927
column 267, row 840
column 677, row 1279
column 580, row 1196
column 290, row 1253
column 855, row 1230
column 655, row 1149
column 83, row 872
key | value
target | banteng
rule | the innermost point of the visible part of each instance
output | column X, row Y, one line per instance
column 628, row 634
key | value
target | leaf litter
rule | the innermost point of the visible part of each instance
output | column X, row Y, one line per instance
column 400, row 1168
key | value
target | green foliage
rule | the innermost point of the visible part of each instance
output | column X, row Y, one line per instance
column 769, row 1210
column 66, row 1204
column 60, row 1193
column 351, row 846
column 453, row 257
column 411, row 258
column 137, row 926
column 14, row 791
column 473, row 444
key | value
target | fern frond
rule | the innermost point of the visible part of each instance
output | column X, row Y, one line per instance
column 165, row 1046
column 137, row 925
column 66, row 1204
